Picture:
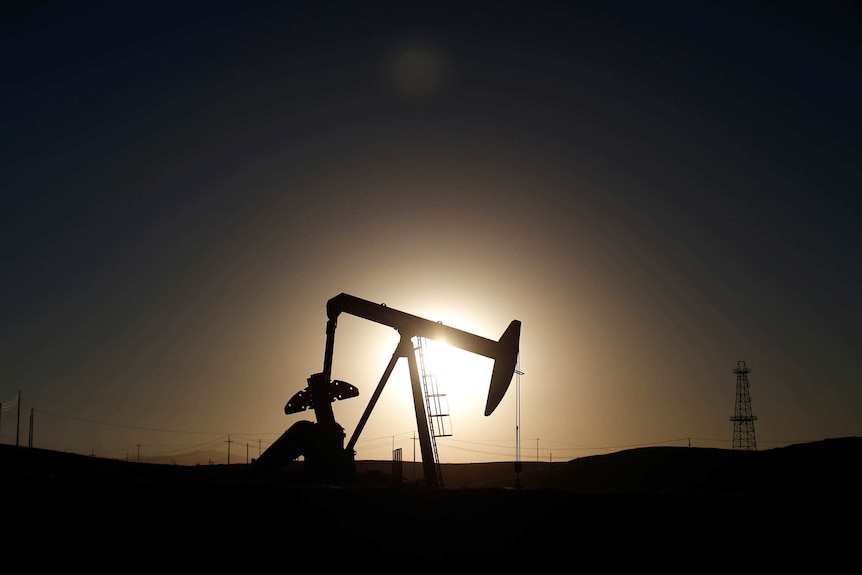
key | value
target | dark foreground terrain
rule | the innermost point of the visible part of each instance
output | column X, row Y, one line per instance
column 669, row 508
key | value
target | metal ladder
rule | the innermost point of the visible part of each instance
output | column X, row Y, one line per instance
column 436, row 402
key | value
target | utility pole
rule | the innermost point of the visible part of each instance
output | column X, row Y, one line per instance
column 18, row 422
column 228, row 449
column 139, row 453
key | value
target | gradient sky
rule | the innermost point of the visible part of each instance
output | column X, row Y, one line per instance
column 656, row 190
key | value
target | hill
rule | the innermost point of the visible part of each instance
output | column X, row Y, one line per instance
column 674, row 507
column 816, row 468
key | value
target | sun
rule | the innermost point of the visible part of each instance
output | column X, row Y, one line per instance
column 461, row 378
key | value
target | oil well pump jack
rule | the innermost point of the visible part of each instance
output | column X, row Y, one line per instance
column 327, row 459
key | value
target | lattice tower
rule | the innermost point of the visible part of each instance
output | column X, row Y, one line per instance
column 743, row 420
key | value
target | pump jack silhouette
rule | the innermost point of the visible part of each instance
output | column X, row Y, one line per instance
column 327, row 459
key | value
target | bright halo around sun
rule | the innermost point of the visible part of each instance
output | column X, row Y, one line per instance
column 460, row 378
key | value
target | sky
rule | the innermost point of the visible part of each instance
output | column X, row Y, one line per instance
column 655, row 190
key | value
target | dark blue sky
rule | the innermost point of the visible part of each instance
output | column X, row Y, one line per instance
column 656, row 190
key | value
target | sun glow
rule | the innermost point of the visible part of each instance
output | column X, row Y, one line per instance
column 461, row 379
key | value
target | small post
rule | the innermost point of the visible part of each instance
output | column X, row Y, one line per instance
column 18, row 422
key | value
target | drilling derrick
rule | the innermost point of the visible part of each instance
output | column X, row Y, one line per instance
column 743, row 420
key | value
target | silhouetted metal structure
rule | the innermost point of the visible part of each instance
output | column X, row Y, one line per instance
column 436, row 406
column 327, row 459
column 743, row 419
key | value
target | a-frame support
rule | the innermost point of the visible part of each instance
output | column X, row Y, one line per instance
column 429, row 465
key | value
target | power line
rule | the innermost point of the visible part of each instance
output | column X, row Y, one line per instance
column 473, row 446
